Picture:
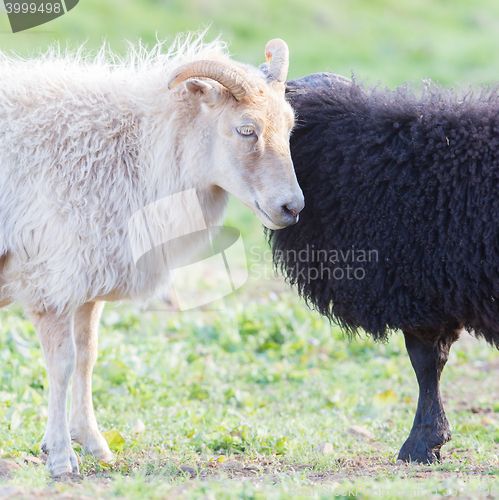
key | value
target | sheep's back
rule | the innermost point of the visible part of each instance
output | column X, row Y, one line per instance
column 71, row 178
column 414, row 181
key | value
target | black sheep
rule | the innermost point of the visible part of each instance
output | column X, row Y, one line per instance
column 401, row 224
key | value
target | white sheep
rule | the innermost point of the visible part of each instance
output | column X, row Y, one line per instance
column 84, row 144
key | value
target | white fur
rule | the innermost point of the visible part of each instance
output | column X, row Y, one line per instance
column 83, row 145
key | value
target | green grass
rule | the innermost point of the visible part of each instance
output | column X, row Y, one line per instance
column 264, row 383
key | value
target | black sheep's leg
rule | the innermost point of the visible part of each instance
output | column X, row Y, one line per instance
column 431, row 429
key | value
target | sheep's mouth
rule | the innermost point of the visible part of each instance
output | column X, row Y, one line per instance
column 263, row 212
column 266, row 215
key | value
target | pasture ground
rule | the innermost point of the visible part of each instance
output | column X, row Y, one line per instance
column 234, row 402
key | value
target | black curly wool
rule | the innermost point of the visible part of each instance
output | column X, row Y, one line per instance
column 408, row 184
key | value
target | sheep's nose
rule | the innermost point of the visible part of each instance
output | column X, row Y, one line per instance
column 291, row 212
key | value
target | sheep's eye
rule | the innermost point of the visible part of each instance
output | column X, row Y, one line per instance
column 246, row 130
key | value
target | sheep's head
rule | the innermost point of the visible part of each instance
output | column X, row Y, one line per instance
column 243, row 123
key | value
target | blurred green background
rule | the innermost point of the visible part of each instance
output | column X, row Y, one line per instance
column 389, row 40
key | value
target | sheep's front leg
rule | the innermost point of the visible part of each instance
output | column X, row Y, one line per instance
column 82, row 421
column 56, row 338
column 430, row 430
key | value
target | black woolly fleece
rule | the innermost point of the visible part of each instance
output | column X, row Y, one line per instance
column 412, row 178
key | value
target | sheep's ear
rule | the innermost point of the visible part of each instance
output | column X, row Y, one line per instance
column 264, row 68
column 198, row 86
column 210, row 93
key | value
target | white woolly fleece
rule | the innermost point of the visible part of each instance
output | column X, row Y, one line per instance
column 86, row 141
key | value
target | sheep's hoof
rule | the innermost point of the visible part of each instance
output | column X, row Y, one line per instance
column 93, row 443
column 61, row 459
column 420, row 454
column 423, row 448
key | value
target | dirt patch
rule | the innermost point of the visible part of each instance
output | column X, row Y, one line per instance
column 269, row 470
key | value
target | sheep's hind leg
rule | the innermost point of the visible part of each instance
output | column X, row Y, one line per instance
column 82, row 422
column 430, row 430
column 56, row 338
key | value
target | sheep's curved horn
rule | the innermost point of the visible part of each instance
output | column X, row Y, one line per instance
column 229, row 76
column 277, row 54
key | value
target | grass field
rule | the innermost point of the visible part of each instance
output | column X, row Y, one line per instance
column 242, row 398
column 234, row 402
